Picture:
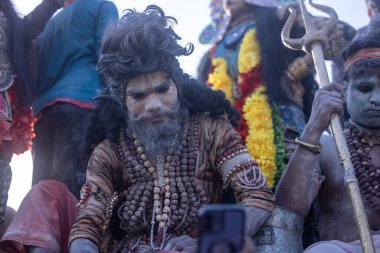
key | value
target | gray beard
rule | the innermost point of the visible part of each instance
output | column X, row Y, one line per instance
column 160, row 138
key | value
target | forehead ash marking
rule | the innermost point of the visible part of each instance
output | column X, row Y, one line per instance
column 146, row 79
column 149, row 87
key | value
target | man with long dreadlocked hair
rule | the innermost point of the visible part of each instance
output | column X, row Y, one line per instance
column 159, row 146
column 17, row 84
column 315, row 170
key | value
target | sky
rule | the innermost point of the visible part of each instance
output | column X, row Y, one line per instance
column 192, row 17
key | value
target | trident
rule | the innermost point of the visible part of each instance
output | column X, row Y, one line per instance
column 313, row 42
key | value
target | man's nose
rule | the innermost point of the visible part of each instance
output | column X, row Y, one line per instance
column 153, row 104
column 375, row 97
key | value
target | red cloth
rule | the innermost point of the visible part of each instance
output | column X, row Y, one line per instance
column 360, row 55
column 44, row 219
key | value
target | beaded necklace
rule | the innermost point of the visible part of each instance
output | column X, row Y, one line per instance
column 368, row 175
column 167, row 192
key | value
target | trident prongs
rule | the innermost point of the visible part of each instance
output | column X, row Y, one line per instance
column 312, row 35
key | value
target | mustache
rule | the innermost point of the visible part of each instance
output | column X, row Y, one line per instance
column 161, row 113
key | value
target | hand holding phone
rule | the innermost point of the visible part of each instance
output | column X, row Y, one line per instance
column 221, row 229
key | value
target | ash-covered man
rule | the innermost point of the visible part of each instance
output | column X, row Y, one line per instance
column 161, row 148
column 174, row 153
column 315, row 171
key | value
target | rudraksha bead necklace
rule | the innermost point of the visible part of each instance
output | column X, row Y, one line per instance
column 368, row 175
column 167, row 193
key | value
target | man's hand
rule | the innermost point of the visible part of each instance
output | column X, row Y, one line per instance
column 183, row 243
column 248, row 246
column 327, row 100
column 254, row 219
column 82, row 245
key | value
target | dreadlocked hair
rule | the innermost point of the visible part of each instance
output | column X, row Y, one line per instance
column 370, row 39
column 145, row 42
column 105, row 122
column 20, row 54
column 137, row 44
column 140, row 43
column 268, row 33
column 200, row 98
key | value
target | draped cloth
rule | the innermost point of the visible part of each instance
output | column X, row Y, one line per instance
column 44, row 219
column 342, row 247
column 5, row 182
column 360, row 55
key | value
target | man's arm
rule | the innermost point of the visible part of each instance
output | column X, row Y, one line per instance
column 107, row 13
column 95, row 195
column 34, row 22
column 254, row 219
column 240, row 171
column 300, row 183
column 82, row 245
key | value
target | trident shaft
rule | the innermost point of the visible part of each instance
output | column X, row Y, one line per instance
column 313, row 42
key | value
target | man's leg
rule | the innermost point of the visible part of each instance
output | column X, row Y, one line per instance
column 335, row 246
column 324, row 247
column 44, row 219
column 70, row 123
column 33, row 249
column 43, row 150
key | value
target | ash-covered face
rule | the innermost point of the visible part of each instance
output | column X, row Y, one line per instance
column 151, row 98
column 363, row 98
column 155, row 114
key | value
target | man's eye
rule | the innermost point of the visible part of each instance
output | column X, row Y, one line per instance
column 138, row 96
column 162, row 89
column 364, row 88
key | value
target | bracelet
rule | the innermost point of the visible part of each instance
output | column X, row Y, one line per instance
column 316, row 149
column 298, row 69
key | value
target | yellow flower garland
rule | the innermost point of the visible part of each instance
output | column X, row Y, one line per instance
column 249, row 54
column 219, row 79
column 256, row 110
column 260, row 139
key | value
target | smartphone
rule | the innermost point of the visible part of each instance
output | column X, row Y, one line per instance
column 221, row 229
